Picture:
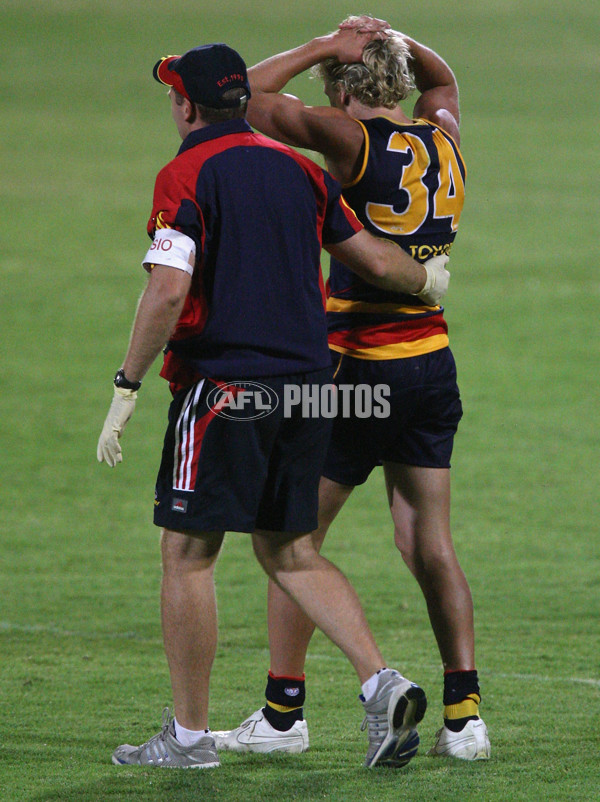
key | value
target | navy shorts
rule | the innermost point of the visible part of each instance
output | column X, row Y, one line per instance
column 425, row 410
column 232, row 461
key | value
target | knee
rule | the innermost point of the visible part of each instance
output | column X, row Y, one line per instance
column 171, row 548
column 436, row 563
column 277, row 555
column 425, row 558
column 270, row 554
column 182, row 552
column 405, row 543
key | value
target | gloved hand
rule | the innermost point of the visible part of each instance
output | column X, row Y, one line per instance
column 121, row 409
column 437, row 282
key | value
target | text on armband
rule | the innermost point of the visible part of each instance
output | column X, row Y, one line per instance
column 159, row 244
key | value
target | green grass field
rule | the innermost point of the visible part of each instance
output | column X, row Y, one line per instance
column 85, row 129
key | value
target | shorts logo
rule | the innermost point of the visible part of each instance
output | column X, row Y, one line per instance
column 241, row 400
column 292, row 691
column 179, row 505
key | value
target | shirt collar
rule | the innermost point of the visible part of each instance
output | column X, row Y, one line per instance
column 237, row 126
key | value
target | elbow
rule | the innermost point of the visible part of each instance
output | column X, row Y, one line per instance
column 175, row 295
column 174, row 300
column 380, row 271
column 169, row 286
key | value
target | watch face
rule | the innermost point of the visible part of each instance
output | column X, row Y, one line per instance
column 121, row 381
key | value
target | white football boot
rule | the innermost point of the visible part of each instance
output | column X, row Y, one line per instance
column 471, row 743
column 257, row 735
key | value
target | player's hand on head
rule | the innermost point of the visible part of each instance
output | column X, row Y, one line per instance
column 366, row 24
column 350, row 43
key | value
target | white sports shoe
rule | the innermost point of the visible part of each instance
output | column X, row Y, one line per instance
column 257, row 735
column 471, row 743
column 392, row 715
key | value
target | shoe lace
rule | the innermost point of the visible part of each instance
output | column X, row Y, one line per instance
column 167, row 718
column 377, row 724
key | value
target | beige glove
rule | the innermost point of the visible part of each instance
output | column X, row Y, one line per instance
column 121, row 409
column 437, row 282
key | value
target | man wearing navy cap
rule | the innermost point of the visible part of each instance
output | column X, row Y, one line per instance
column 235, row 290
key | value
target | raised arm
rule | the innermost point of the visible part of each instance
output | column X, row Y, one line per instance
column 326, row 130
column 272, row 74
column 438, row 101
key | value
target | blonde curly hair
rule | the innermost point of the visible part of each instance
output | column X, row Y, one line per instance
column 383, row 79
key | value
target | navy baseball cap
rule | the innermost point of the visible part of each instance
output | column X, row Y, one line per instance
column 204, row 74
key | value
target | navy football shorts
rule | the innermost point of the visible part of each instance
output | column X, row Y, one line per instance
column 233, row 461
column 425, row 410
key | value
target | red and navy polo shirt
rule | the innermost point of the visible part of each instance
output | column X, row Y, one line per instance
column 259, row 213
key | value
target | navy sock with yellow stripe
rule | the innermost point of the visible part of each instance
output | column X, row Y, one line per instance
column 285, row 699
column 461, row 698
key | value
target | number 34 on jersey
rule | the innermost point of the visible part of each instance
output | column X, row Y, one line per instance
column 431, row 191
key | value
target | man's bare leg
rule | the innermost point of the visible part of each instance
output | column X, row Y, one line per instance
column 393, row 705
column 419, row 501
column 189, row 620
column 290, row 630
column 323, row 593
column 420, row 505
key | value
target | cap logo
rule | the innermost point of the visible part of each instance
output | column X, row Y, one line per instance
column 204, row 75
column 236, row 76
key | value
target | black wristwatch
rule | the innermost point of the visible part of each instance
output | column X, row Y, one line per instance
column 122, row 381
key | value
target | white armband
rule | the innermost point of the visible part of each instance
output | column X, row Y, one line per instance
column 173, row 249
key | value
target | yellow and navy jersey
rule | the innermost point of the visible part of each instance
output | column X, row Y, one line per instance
column 410, row 189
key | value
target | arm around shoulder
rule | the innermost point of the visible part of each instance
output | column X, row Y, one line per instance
column 380, row 262
column 383, row 263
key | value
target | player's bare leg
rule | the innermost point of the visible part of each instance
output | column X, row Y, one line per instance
column 290, row 630
column 189, row 620
column 323, row 593
column 279, row 725
column 393, row 705
column 419, row 501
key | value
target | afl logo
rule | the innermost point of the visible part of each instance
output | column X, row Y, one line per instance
column 242, row 400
